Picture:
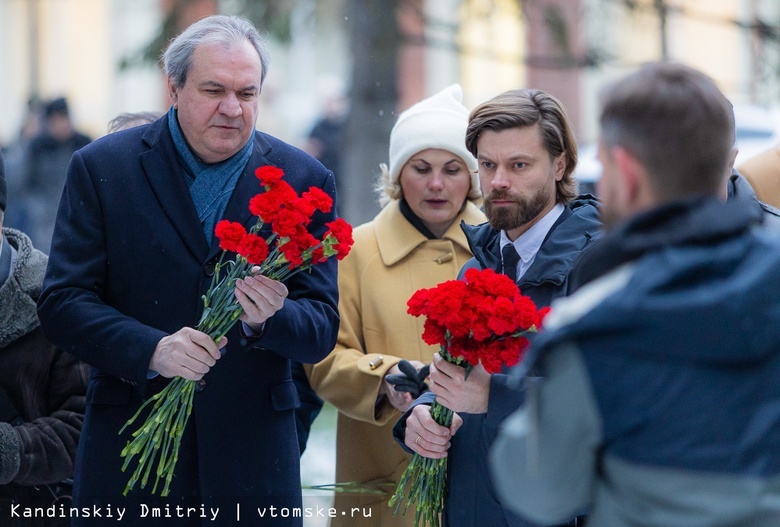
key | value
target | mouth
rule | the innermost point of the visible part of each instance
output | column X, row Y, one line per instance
column 501, row 199
column 436, row 202
column 225, row 127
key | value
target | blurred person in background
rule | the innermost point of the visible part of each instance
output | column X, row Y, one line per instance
column 428, row 189
column 538, row 227
column 47, row 163
column 659, row 400
column 16, row 155
column 42, row 389
column 324, row 140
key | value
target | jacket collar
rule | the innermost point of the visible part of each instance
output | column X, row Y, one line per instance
column 695, row 220
column 162, row 169
column 574, row 229
column 396, row 237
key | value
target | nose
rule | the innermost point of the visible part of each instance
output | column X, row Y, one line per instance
column 436, row 181
column 500, row 179
column 230, row 106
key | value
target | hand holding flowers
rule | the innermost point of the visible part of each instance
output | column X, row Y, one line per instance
column 458, row 392
column 480, row 324
column 237, row 286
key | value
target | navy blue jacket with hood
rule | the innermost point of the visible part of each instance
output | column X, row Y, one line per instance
column 472, row 498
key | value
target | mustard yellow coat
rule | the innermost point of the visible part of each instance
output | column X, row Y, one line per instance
column 763, row 174
column 390, row 260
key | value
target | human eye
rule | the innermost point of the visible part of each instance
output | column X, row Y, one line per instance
column 422, row 169
column 248, row 95
column 487, row 164
column 520, row 165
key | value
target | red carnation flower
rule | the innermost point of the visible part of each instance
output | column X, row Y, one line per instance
column 319, row 199
column 229, row 234
column 542, row 315
column 292, row 253
column 287, row 222
column 342, row 232
column 253, row 248
column 269, row 174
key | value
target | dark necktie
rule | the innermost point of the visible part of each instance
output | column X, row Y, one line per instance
column 509, row 260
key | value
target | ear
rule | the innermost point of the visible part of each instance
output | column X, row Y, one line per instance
column 559, row 165
column 732, row 158
column 631, row 172
column 173, row 94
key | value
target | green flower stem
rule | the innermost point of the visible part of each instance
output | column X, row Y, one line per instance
column 354, row 487
column 155, row 438
column 426, row 477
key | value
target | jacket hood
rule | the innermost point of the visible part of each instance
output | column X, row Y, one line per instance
column 701, row 286
column 18, row 295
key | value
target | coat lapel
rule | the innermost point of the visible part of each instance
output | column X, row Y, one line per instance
column 167, row 180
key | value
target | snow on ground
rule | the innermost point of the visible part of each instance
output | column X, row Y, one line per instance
column 318, row 467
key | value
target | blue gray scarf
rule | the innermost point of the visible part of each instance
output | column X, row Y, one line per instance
column 210, row 185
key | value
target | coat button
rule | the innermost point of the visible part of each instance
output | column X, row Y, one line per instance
column 200, row 385
column 209, row 268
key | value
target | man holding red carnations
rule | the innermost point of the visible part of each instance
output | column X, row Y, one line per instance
column 537, row 228
column 134, row 252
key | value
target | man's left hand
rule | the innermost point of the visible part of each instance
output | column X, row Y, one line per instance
column 453, row 390
column 260, row 297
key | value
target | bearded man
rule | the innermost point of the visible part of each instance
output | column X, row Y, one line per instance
column 537, row 228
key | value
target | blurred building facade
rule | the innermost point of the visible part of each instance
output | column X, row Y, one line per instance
column 72, row 48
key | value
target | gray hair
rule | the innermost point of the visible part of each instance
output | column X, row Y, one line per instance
column 226, row 30
column 126, row 120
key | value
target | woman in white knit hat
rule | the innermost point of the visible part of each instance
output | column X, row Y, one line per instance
column 415, row 241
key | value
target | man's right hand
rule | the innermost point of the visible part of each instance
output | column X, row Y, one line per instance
column 427, row 437
column 188, row 353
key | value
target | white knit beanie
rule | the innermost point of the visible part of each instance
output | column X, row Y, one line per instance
column 439, row 122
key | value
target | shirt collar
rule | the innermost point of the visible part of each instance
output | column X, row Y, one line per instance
column 528, row 243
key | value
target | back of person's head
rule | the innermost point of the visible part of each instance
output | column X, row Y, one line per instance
column 126, row 120
column 528, row 107
column 438, row 122
column 675, row 121
column 225, row 30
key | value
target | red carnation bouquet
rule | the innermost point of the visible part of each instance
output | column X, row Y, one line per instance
column 289, row 249
column 481, row 319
